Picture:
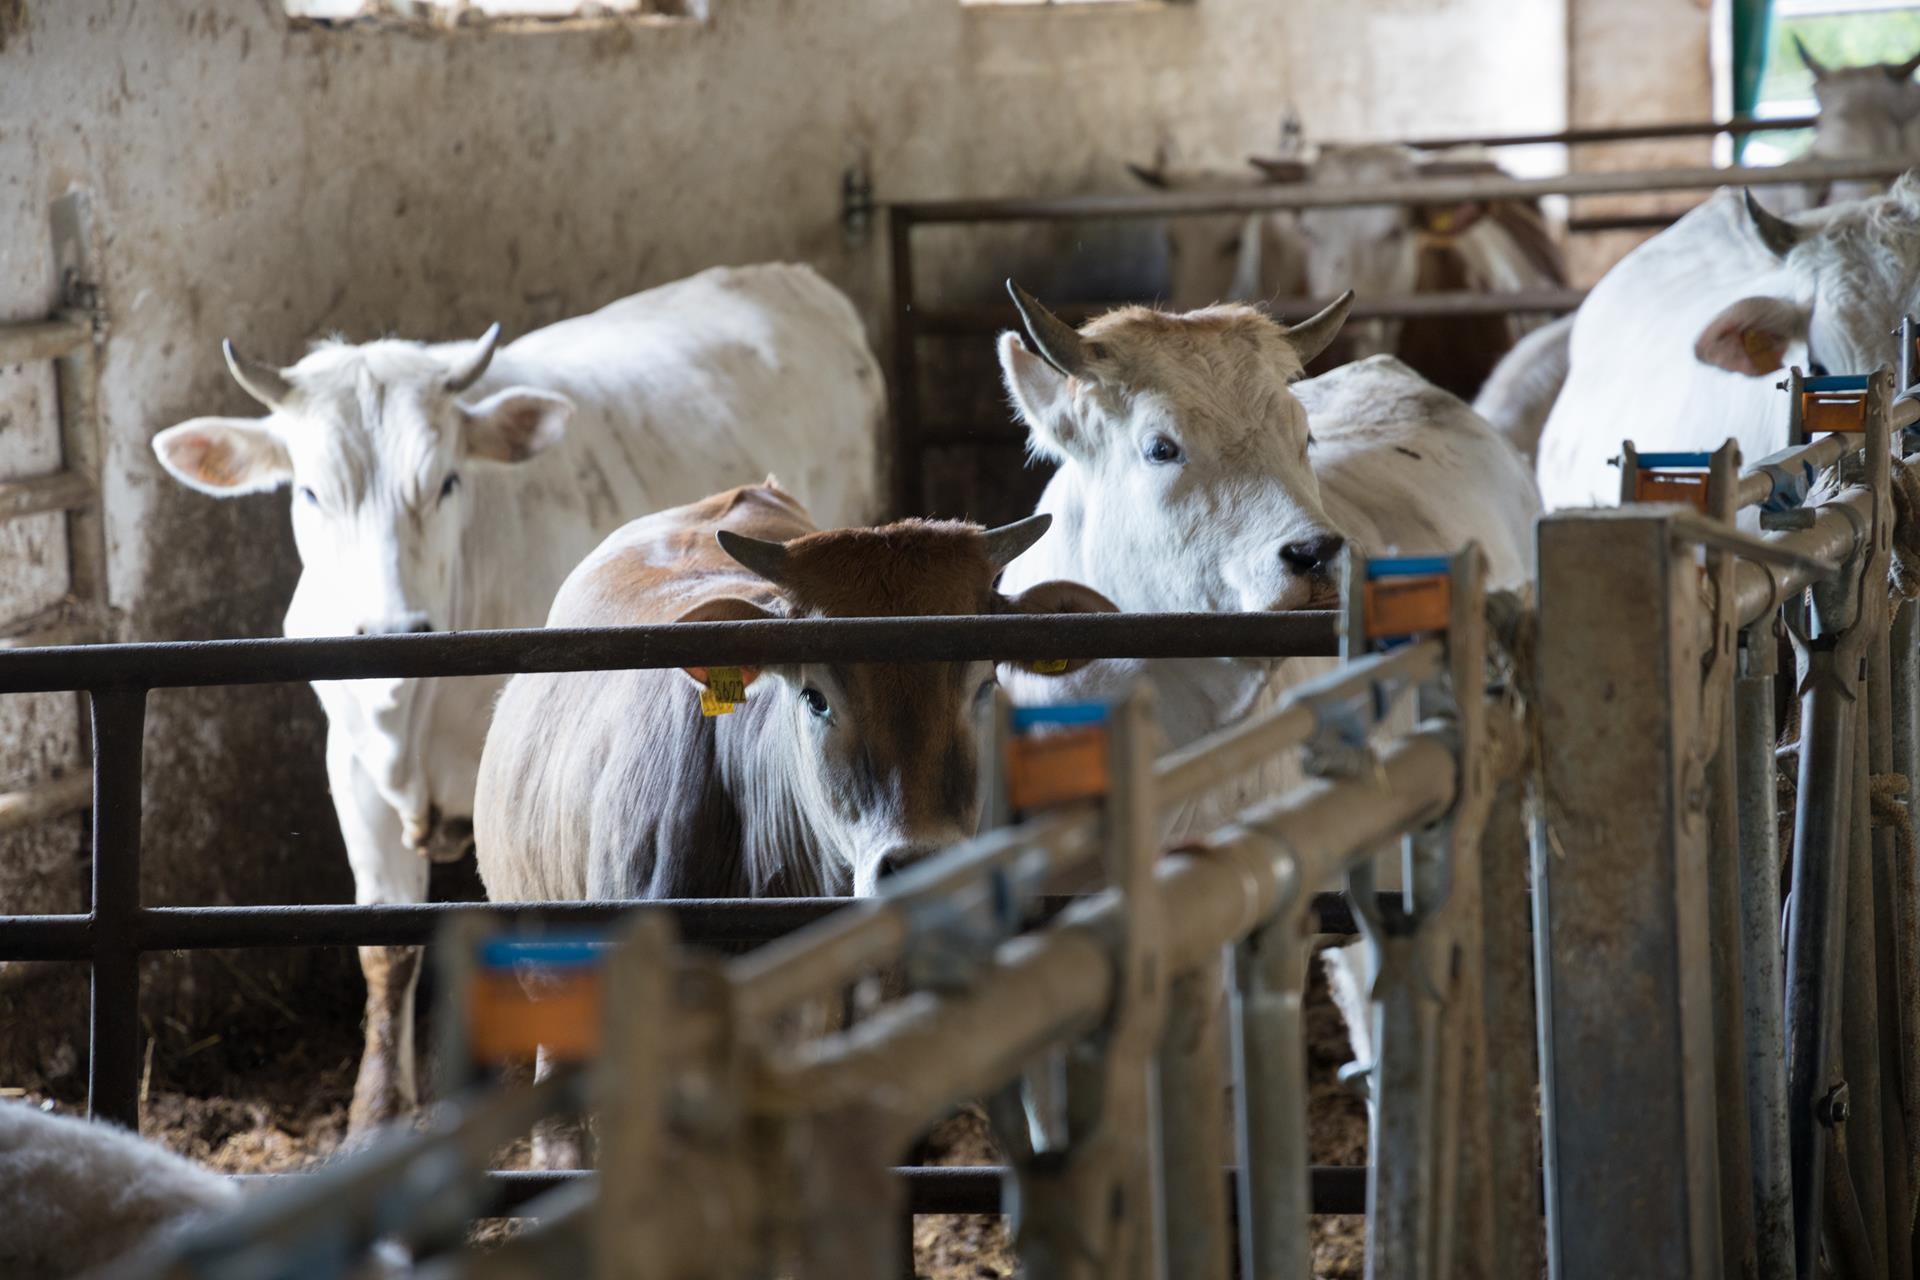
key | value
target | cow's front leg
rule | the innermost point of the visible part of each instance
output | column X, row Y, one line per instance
column 385, row 870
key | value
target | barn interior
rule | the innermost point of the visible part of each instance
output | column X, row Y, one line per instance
column 275, row 173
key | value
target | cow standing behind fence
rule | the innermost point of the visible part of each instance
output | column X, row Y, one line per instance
column 1198, row 474
column 453, row 488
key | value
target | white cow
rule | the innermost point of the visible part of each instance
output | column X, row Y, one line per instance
column 1519, row 394
column 1188, row 481
column 1679, row 346
column 77, row 1194
column 1866, row 112
column 450, row 488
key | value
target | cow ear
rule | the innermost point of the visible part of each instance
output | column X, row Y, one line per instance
column 1057, row 597
column 724, row 609
column 1042, row 394
column 515, row 424
column 1751, row 337
column 225, row 457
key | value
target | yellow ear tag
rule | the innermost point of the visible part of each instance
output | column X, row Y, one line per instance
column 724, row 691
column 1049, row 666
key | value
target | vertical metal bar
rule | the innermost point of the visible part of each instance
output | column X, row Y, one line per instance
column 1400, row 1172
column 1904, row 891
column 1879, row 884
column 113, row 1066
column 1509, row 1068
column 909, row 461
column 1270, row 1097
column 1813, row 930
column 1859, row 1004
column 1764, row 1050
column 1624, row 954
column 1193, row 1133
column 1732, row 1123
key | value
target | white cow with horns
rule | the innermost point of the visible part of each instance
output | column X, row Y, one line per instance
column 454, row 487
column 1679, row 346
column 1189, row 481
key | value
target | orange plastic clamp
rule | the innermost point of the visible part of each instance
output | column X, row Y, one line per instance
column 1405, row 606
column 504, row 1025
column 1056, row 768
column 1686, row 487
column 1822, row 412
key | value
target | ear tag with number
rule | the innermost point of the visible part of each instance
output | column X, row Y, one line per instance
column 1049, row 666
column 724, row 691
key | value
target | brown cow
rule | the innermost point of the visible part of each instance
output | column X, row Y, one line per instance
column 827, row 777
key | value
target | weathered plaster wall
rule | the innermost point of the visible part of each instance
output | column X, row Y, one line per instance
column 271, row 183
column 1637, row 62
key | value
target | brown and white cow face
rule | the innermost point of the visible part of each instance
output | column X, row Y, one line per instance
column 1190, row 454
column 377, row 444
column 885, row 757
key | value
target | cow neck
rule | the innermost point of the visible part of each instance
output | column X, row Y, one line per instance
column 783, row 849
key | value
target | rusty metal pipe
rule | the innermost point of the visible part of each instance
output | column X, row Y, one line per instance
column 183, row 664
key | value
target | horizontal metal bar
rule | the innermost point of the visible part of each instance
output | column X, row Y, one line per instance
column 1622, row 222
column 704, row 921
column 930, row 1188
column 61, row 491
column 42, row 340
column 179, row 664
column 1308, row 195
column 1620, row 133
column 46, row 801
column 972, row 321
column 1760, row 589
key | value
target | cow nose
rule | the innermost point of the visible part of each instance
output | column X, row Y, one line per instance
column 405, row 624
column 894, row 861
column 1313, row 555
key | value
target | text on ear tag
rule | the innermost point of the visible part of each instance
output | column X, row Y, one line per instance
column 724, row 691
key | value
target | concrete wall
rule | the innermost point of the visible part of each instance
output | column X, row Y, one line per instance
column 253, row 179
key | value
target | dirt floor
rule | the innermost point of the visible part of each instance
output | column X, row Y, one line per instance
column 269, row 1094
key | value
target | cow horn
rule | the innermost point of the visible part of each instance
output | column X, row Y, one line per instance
column 1151, row 177
column 768, row 559
column 1813, row 64
column 261, row 381
column 1312, row 336
column 1053, row 339
column 1009, row 540
column 1901, row 70
column 1776, row 232
column 468, row 371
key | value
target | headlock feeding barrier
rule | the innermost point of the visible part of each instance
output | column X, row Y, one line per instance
column 1708, row 1054
column 1556, row 817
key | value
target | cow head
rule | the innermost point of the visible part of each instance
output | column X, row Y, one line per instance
column 885, row 757
column 1372, row 249
column 1865, row 111
column 1846, row 276
column 1190, row 449
column 379, row 443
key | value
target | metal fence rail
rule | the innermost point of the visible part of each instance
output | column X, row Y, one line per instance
column 119, row 928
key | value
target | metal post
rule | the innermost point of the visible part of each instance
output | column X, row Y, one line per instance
column 1904, row 894
column 1880, row 883
column 909, row 463
column 113, row 1067
column 1620, row 886
column 1732, row 1124
column 1764, row 1050
column 1193, row 1128
column 1813, row 928
column 1270, row 1091
column 1859, row 1005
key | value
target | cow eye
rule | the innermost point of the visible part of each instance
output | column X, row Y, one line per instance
column 448, row 485
column 308, row 495
column 1230, row 248
column 986, row 689
column 1162, row 450
column 816, row 701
